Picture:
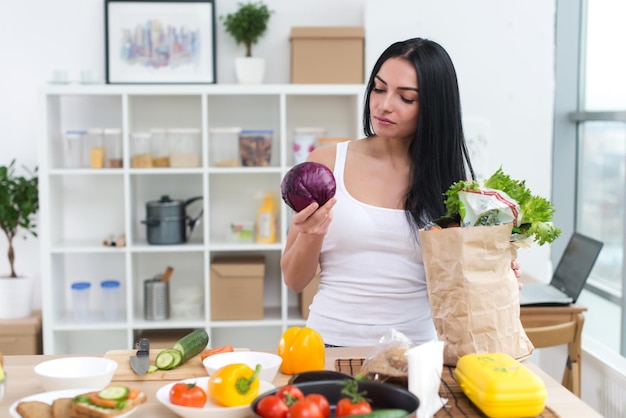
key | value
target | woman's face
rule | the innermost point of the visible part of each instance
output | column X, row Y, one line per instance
column 393, row 101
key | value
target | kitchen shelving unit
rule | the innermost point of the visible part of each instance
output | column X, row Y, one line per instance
column 81, row 207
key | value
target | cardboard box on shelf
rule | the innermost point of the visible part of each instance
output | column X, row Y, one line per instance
column 21, row 336
column 237, row 287
column 306, row 296
column 327, row 55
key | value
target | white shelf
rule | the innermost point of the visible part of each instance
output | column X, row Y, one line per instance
column 82, row 207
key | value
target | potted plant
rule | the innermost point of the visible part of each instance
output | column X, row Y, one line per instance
column 19, row 203
column 247, row 25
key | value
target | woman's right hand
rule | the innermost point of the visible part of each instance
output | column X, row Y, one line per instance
column 314, row 220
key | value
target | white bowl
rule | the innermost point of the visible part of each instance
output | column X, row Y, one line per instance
column 76, row 373
column 210, row 409
column 269, row 362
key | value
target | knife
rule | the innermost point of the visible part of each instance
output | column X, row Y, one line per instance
column 141, row 361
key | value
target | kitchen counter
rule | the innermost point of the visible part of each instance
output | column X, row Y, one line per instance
column 22, row 381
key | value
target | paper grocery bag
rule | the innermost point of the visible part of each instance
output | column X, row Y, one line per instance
column 473, row 291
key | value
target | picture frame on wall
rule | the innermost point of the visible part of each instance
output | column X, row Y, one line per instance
column 160, row 42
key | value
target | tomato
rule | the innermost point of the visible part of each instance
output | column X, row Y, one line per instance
column 321, row 402
column 346, row 407
column 221, row 349
column 289, row 394
column 187, row 394
column 272, row 406
column 304, row 408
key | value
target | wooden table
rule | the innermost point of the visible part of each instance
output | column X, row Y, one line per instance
column 22, row 382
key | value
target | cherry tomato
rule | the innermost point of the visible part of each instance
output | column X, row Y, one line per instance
column 304, row 408
column 289, row 394
column 321, row 402
column 346, row 407
column 272, row 406
column 187, row 394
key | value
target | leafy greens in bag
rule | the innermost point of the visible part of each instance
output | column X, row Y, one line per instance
column 503, row 200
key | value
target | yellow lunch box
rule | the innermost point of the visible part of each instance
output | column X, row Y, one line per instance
column 500, row 386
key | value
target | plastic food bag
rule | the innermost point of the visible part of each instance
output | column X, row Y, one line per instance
column 388, row 361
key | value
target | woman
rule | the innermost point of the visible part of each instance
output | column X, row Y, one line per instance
column 389, row 184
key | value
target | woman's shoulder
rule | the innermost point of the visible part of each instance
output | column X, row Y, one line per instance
column 324, row 155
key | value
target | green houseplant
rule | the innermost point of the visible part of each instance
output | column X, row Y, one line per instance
column 19, row 203
column 247, row 25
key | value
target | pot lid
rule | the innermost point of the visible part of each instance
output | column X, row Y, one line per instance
column 166, row 201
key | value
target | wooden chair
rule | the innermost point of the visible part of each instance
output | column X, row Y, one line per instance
column 569, row 333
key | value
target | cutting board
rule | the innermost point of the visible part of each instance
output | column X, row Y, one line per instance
column 191, row 368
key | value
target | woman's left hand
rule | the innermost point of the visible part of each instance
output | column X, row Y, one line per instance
column 517, row 271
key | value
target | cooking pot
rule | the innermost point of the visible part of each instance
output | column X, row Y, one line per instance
column 167, row 220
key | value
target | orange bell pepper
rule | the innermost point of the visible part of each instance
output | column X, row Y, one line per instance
column 302, row 350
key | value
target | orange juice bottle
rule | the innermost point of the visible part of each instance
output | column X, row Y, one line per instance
column 266, row 220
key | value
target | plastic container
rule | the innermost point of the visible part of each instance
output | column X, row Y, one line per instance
column 156, row 299
column 113, row 148
column 141, row 150
column 184, row 147
column 241, row 231
column 110, row 299
column 95, row 148
column 500, row 386
column 73, row 141
column 160, row 148
column 224, row 147
column 304, row 142
column 255, row 147
column 80, row 301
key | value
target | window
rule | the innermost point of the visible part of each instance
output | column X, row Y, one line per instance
column 589, row 177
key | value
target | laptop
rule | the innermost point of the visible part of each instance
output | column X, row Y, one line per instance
column 570, row 275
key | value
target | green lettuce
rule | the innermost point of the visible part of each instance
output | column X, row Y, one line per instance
column 536, row 211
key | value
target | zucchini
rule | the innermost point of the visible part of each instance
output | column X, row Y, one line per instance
column 192, row 344
column 115, row 393
column 168, row 359
column 385, row 413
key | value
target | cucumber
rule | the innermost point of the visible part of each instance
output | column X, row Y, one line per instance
column 114, row 393
column 385, row 413
column 152, row 368
column 192, row 344
column 168, row 359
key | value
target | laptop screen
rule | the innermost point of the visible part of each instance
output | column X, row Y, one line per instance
column 576, row 264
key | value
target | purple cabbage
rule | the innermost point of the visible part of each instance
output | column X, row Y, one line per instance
column 306, row 183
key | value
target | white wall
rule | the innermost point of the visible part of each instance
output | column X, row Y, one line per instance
column 503, row 52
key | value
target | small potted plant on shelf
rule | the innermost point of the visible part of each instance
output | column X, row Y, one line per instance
column 19, row 203
column 247, row 25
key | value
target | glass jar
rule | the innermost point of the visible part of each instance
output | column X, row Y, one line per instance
column 113, row 148
column 184, row 147
column 224, row 147
column 73, row 142
column 95, row 148
column 141, row 150
column 160, row 148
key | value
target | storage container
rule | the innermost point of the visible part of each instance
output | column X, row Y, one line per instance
column 141, row 150
column 237, row 288
column 113, row 148
column 241, row 231
column 224, row 146
column 255, row 147
column 500, row 386
column 305, row 141
column 184, row 147
column 74, row 141
column 328, row 55
column 160, row 148
column 94, row 152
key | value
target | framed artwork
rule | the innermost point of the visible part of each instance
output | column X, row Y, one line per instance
column 160, row 41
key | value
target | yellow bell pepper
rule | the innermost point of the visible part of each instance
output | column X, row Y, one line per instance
column 234, row 385
column 302, row 350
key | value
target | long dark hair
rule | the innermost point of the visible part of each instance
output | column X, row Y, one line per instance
column 438, row 153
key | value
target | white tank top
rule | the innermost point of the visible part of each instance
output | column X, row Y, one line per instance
column 372, row 275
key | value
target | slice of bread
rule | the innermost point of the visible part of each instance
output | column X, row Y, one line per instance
column 34, row 409
column 61, row 407
column 84, row 410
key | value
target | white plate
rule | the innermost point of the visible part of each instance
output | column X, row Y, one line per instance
column 49, row 397
column 210, row 409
